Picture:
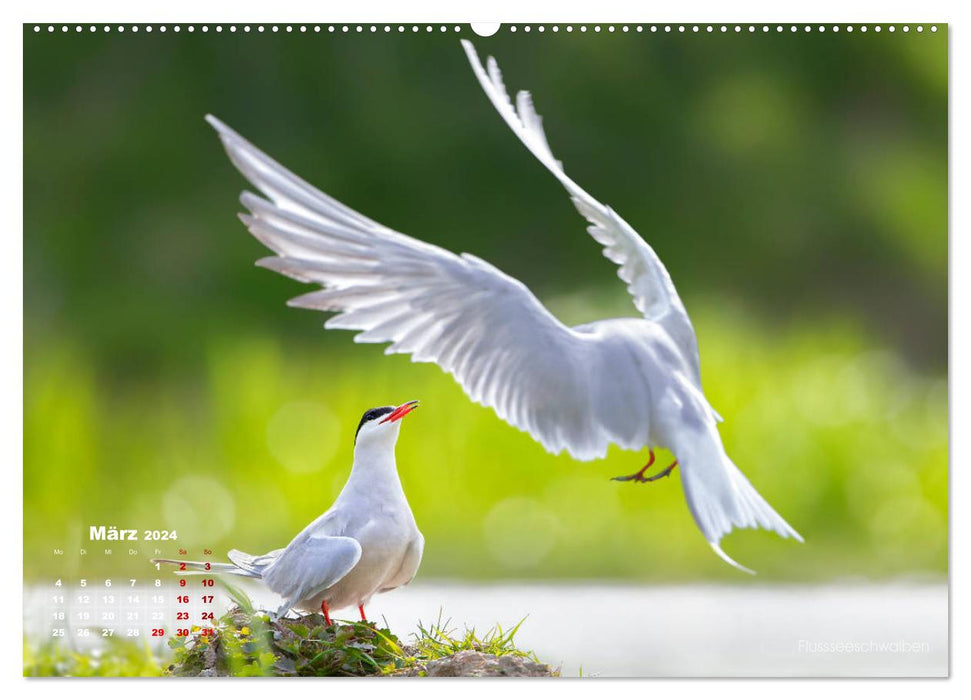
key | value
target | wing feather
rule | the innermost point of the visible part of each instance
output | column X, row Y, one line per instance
column 310, row 564
column 480, row 325
column 647, row 280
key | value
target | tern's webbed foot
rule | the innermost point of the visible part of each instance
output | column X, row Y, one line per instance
column 663, row 473
column 639, row 477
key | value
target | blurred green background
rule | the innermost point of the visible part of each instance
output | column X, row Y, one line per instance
column 795, row 185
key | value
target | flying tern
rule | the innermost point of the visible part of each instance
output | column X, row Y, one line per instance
column 366, row 543
column 634, row 382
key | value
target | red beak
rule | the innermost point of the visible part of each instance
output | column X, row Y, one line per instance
column 401, row 411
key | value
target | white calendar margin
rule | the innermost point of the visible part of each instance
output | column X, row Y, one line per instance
column 419, row 11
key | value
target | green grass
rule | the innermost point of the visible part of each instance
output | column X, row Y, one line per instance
column 439, row 640
column 117, row 658
column 246, row 642
column 843, row 438
column 250, row 642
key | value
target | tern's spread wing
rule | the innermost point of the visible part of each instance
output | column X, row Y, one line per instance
column 482, row 326
column 647, row 279
column 309, row 565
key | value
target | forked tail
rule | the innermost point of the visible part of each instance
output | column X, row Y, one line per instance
column 719, row 496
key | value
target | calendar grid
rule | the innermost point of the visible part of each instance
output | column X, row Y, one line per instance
column 82, row 610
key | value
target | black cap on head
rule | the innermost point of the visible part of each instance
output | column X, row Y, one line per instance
column 370, row 415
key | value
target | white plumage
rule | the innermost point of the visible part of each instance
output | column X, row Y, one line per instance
column 366, row 543
column 634, row 382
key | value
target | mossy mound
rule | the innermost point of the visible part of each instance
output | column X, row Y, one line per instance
column 245, row 642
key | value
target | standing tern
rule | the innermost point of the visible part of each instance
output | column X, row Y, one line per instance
column 366, row 543
column 635, row 382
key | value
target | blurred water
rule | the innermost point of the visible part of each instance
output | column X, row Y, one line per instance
column 698, row 630
column 888, row 629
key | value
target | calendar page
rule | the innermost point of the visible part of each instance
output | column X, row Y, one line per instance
column 136, row 601
column 524, row 349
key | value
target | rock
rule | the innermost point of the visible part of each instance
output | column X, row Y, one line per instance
column 477, row 664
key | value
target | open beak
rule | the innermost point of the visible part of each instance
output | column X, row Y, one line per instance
column 401, row 411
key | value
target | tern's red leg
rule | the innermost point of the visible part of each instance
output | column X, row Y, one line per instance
column 638, row 475
column 363, row 616
column 326, row 610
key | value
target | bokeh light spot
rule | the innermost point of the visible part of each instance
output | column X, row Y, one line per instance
column 303, row 436
column 200, row 508
column 520, row 532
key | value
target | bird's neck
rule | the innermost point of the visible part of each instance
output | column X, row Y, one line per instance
column 374, row 470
